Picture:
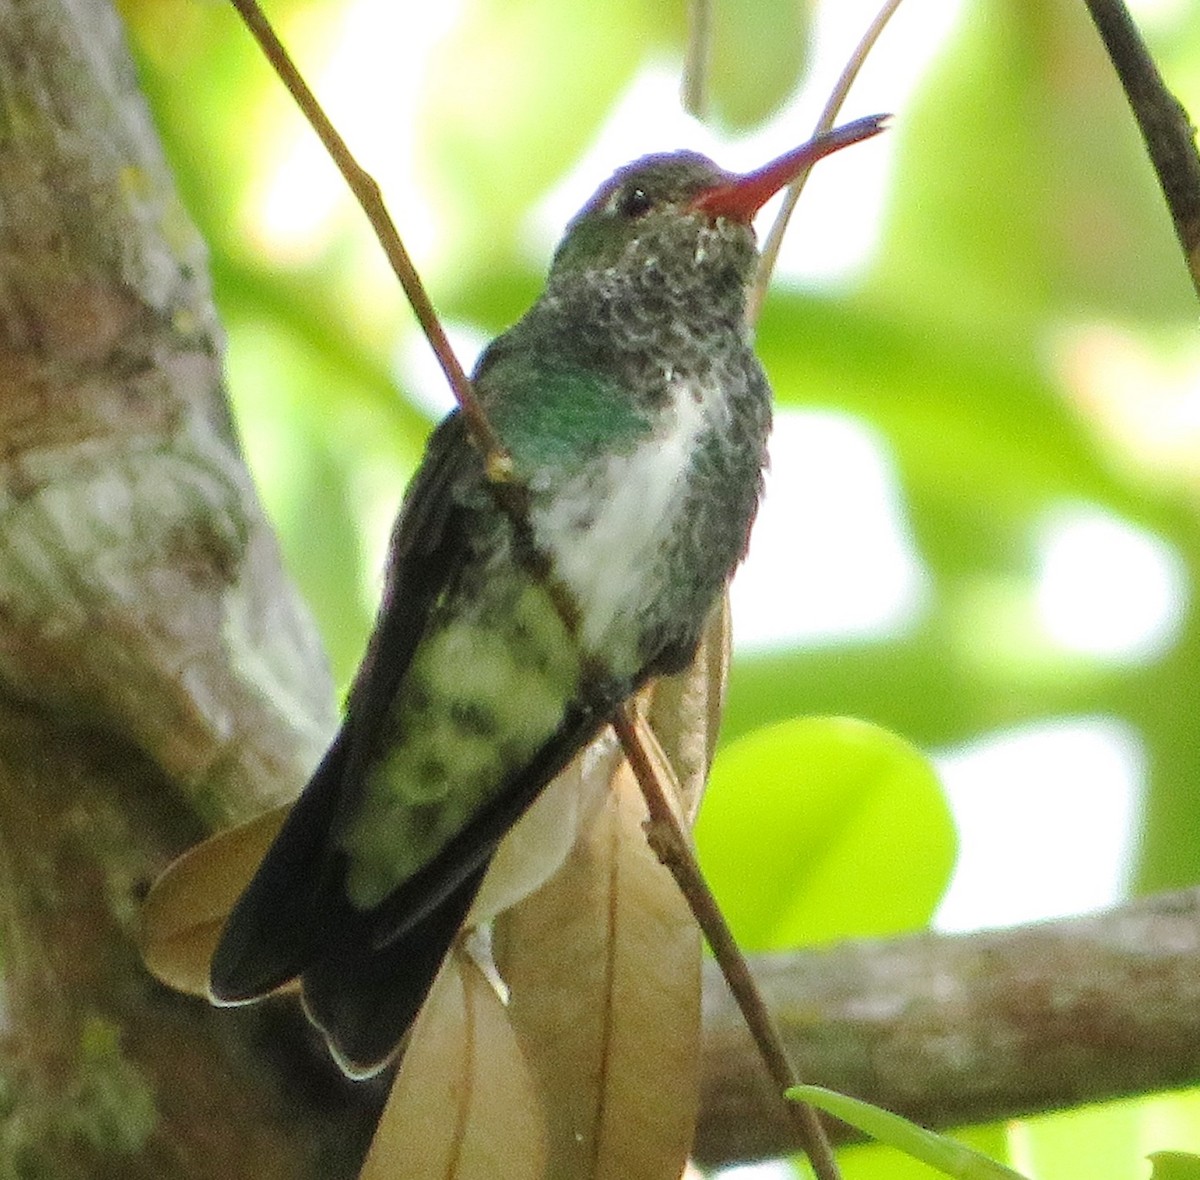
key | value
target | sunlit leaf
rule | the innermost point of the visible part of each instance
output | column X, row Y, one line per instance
column 872, row 1160
column 821, row 828
column 1174, row 1165
column 946, row 1155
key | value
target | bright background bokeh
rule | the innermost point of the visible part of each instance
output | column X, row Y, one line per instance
column 981, row 528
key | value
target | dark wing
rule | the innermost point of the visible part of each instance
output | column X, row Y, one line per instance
column 273, row 931
column 364, row 990
column 365, row 974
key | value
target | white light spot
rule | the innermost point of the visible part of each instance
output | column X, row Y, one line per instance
column 295, row 210
column 1044, row 815
column 420, row 374
column 768, row 1170
column 830, row 555
column 838, row 222
column 1158, row 13
column 1106, row 588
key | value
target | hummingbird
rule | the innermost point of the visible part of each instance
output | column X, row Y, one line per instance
column 635, row 415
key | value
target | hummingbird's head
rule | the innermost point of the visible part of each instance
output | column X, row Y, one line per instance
column 642, row 204
column 681, row 207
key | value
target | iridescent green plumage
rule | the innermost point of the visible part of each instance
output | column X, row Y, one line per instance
column 636, row 416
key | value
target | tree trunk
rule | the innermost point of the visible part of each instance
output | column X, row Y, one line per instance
column 158, row 676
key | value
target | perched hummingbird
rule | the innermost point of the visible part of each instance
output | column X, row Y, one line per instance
column 636, row 416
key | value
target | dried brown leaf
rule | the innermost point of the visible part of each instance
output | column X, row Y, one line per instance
column 684, row 711
column 187, row 906
column 463, row 1106
column 604, row 970
column 531, row 853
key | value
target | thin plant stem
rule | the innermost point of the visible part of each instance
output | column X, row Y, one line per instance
column 693, row 93
column 673, row 848
column 665, row 831
column 774, row 239
column 366, row 190
column 1163, row 121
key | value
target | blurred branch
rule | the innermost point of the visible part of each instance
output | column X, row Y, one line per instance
column 951, row 1030
column 1164, row 122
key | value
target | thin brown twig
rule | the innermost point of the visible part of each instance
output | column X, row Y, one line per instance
column 366, row 189
column 674, row 850
column 774, row 239
column 693, row 93
column 1166, row 128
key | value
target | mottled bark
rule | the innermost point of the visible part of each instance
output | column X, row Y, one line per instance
column 157, row 674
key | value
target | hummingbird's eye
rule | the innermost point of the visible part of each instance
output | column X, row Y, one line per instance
column 634, row 202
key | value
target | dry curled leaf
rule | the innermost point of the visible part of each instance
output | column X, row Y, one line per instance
column 603, row 967
column 187, row 906
column 603, row 963
column 684, row 712
column 592, row 1070
column 463, row 1105
column 604, row 970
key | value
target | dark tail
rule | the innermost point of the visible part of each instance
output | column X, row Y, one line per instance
column 268, row 939
column 294, row 922
column 364, row 999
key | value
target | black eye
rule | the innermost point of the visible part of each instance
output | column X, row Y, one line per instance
column 634, row 202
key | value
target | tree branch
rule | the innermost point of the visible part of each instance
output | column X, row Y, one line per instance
column 1164, row 122
column 158, row 678
column 957, row 1029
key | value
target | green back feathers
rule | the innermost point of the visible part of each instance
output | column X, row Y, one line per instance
column 555, row 415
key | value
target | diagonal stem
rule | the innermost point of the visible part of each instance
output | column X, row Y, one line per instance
column 694, row 91
column 774, row 240
column 1166, row 128
column 665, row 832
column 366, row 189
column 672, row 847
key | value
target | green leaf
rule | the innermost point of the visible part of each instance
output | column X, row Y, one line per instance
column 758, row 53
column 506, row 111
column 824, row 827
column 871, row 1160
column 946, row 1155
column 1174, row 1165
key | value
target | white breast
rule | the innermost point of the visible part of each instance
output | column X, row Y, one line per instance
column 604, row 531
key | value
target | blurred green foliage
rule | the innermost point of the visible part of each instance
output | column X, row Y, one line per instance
column 1025, row 254
column 1175, row 1165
